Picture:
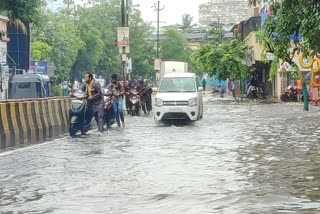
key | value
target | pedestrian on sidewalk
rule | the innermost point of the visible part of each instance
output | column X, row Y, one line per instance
column 233, row 89
column 299, row 90
column 204, row 83
column 305, row 97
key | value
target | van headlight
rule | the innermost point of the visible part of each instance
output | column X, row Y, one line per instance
column 192, row 102
column 158, row 102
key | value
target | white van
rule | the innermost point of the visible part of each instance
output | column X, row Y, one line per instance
column 179, row 97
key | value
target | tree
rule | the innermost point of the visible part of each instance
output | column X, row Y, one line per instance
column 187, row 22
column 282, row 30
column 222, row 57
column 22, row 11
column 142, row 49
column 64, row 40
column 173, row 46
column 90, row 54
column 86, row 40
column 40, row 50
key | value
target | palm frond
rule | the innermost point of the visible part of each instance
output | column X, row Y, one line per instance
column 20, row 25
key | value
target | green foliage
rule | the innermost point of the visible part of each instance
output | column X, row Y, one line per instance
column 64, row 40
column 56, row 90
column 173, row 46
column 83, row 39
column 290, row 17
column 274, row 67
column 142, row 50
column 24, row 10
column 40, row 50
column 90, row 54
column 224, row 59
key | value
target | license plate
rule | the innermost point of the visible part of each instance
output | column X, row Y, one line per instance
column 175, row 110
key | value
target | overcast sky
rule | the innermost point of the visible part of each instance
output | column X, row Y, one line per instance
column 172, row 13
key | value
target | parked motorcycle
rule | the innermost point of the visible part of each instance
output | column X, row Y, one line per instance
column 290, row 94
column 78, row 119
column 255, row 92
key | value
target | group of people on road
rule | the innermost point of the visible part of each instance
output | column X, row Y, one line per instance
column 116, row 91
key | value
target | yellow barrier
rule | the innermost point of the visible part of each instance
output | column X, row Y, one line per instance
column 32, row 121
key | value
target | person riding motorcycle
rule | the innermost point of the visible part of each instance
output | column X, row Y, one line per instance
column 94, row 100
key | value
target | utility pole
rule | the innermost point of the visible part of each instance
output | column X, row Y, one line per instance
column 124, row 23
column 158, row 9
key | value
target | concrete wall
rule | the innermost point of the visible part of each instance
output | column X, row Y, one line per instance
column 251, row 41
column 32, row 121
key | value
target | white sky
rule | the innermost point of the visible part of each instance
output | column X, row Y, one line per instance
column 172, row 13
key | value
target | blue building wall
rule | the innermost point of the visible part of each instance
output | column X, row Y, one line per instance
column 18, row 47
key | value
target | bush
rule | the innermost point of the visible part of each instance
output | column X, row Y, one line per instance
column 56, row 90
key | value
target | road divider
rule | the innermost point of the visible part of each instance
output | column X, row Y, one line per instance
column 32, row 120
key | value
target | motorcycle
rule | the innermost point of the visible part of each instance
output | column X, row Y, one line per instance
column 290, row 94
column 135, row 103
column 109, row 117
column 255, row 92
column 78, row 114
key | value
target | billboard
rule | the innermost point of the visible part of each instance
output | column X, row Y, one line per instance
column 39, row 67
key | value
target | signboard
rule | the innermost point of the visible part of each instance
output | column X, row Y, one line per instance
column 157, row 64
column 39, row 67
column 123, row 36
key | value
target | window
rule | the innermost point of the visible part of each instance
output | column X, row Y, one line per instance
column 24, row 85
column 177, row 84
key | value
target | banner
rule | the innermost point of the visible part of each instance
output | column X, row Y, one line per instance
column 39, row 67
column 123, row 36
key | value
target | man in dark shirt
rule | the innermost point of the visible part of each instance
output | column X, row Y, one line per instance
column 94, row 99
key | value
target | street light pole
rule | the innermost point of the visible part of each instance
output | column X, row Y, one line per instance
column 158, row 9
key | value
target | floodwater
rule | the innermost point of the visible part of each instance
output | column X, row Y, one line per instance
column 240, row 158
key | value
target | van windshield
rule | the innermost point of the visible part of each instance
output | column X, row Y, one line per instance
column 177, row 84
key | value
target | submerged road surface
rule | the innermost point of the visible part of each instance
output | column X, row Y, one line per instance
column 240, row 158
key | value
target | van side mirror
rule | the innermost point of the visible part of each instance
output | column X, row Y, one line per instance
column 200, row 89
column 154, row 89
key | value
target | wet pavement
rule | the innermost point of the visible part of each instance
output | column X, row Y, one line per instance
column 249, row 157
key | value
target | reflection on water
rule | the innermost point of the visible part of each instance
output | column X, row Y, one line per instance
column 241, row 158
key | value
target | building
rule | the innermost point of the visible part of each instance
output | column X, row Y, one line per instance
column 3, row 39
column 195, row 36
column 3, row 57
column 223, row 11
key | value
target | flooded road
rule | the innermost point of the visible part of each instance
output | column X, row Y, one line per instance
column 240, row 158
